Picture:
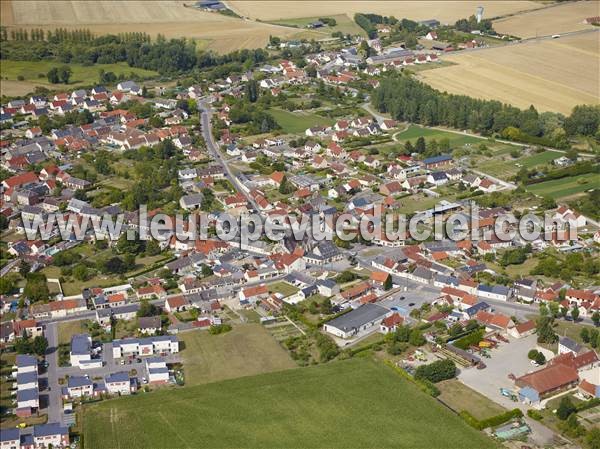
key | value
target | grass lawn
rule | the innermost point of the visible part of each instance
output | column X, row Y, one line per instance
column 459, row 397
column 502, row 165
column 67, row 329
column 246, row 350
column 456, row 140
column 298, row 122
column 565, row 187
column 283, row 287
column 352, row 403
column 34, row 73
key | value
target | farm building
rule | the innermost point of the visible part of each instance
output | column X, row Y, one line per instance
column 360, row 320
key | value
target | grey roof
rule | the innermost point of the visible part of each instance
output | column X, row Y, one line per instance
column 146, row 322
column 423, row 273
column 27, row 395
column 25, row 378
column 476, row 308
column 570, row 344
column 358, row 317
column 121, row 376
column 9, row 434
column 496, row 289
column 80, row 344
column 49, row 429
column 329, row 283
column 148, row 340
column 160, row 370
column 126, row 309
column 26, row 360
column 78, row 381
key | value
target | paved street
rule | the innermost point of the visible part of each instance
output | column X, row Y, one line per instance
column 53, row 396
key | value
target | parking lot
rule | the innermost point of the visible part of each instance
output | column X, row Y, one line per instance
column 507, row 358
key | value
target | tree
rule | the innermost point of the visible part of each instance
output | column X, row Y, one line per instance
column 540, row 359
column 545, row 331
column 24, row 268
column 575, row 313
column 532, row 354
column 80, row 272
column 592, row 439
column 206, row 270
column 39, row 345
column 416, row 338
column 7, row 284
column 64, row 74
column 565, row 408
column 436, row 371
column 53, row 76
column 146, row 309
column 596, row 318
column 420, row 146
column 251, row 91
column 585, row 335
column 388, row 283
column 36, row 287
column 455, row 329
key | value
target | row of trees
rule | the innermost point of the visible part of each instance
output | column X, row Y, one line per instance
column 408, row 99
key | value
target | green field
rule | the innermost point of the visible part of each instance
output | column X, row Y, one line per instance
column 504, row 166
column 343, row 23
column 244, row 351
column 346, row 404
column 35, row 72
column 566, row 187
column 298, row 122
column 456, row 140
column 459, row 397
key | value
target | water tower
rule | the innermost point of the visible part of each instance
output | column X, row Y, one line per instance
column 479, row 13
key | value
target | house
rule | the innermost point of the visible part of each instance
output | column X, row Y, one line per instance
column 391, row 323
column 443, row 160
column 533, row 387
column 494, row 321
column 391, row 188
column 359, row 321
column 135, row 347
column 129, row 87
column 176, row 304
column 497, row 292
column 522, row 330
column 151, row 292
column 78, row 387
column 381, row 280
column 437, row 178
column 53, row 434
column 251, row 294
column 149, row 324
column 120, row 383
column 327, row 287
column 191, row 201
column 81, row 350
column 567, row 345
column 157, row 370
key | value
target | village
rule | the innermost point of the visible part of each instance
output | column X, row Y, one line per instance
column 88, row 319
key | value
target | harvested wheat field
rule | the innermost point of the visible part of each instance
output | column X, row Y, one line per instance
column 444, row 11
column 545, row 22
column 170, row 18
column 553, row 74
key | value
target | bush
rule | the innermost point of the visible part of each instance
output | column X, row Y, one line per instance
column 490, row 422
column 219, row 329
column 534, row 414
column 436, row 371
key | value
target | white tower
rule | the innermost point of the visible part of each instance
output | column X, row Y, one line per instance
column 479, row 13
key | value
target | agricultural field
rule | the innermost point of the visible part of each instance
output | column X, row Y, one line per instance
column 445, row 12
column 21, row 77
column 167, row 17
column 568, row 187
column 504, row 166
column 298, row 122
column 344, row 23
column 561, row 18
column 305, row 407
column 244, row 351
column 527, row 73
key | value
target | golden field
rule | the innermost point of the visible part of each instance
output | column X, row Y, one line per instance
column 553, row 75
column 444, row 11
column 545, row 22
column 170, row 18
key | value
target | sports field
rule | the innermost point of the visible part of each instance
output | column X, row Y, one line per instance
column 553, row 74
column 298, row 122
column 566, row 187
column 244, row 351
column 33, row 73
column 167, row 17
column 445, row 12
column 347, row 404
column 545, row 22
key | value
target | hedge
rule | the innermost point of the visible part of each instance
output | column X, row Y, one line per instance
column 534, row 414
column 490, row 422
column 588, row 404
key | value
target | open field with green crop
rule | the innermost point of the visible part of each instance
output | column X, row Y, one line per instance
column 244, row 351
column 33, row 73
column 566, row 187
column 343, row 23
column 314, row 407
column 297, row 122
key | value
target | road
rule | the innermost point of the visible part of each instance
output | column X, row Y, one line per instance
column 54, row 401
column 205, row 116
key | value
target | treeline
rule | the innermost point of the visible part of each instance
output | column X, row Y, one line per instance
column 471, row 24
column 407, row 99
column 162, row 55
column 64, row 35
